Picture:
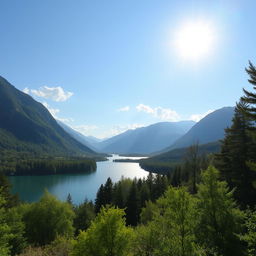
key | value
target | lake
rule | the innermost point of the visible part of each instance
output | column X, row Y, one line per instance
column 80, row 186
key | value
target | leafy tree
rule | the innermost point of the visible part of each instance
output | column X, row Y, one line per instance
column 173, row 226
column 46, row 219
column 107, row 235
column 219, row 218
column 5, row 231
column 145, row 241
column 17, row 240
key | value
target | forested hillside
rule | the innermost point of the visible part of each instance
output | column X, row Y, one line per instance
column 27, row 126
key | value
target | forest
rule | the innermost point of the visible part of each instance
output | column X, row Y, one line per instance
column 13, row 163
column 203, row 207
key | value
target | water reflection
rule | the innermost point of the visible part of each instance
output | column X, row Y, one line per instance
column 80, row 186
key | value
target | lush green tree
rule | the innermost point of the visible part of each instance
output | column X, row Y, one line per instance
column 46, row 219
column 107, row 235
column 17, row 240
column 145, row 241
column 172, row 227
column 219, row 218
column 5, row 231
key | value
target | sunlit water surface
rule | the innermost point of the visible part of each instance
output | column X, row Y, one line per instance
column 80, row 186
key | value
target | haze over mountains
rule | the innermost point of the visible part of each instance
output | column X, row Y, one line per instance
column 26, row 125
column 146, row 140
column 166, row 136
column 209, row 129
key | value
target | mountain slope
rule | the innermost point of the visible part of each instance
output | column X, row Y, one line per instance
column 26, row 125
column 210, row 128
column 167, row 161
column 146, row 139
column 88, row 141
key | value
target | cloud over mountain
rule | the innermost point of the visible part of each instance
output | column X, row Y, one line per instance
column 164, row 114
column 54, row 93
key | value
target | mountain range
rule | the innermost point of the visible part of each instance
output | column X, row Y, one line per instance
column 209, row 129
column 145, row 140
column 26, row 125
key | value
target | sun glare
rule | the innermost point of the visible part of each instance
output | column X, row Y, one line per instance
column 194, row 40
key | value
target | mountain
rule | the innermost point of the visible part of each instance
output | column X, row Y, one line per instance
column 26, row 125
column 209, row 129
column 88, row 141
column 145, row 140
column 167, row 161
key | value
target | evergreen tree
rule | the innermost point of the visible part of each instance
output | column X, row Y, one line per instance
column 192, row 164
column 133, row 205
column 100, row 199
column 220, row 221
column 249, row 108
column 5, row 190
column 108, row 191
column 236, row 150
column 84, row 214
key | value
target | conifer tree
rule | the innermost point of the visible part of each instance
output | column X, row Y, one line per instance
column 133, row 207
column 220, row 221
column 236, row 151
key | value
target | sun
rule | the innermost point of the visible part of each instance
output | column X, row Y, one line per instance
column 194, row 40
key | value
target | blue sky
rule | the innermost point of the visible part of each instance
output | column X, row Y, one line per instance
column 107, row 66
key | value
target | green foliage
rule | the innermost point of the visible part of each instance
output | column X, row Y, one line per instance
column 17, row 240
column 5, row 231
column 237, row 150
column 47, row 219
column 46, row 166
column 250, row 236
column 84, row 215
column 220, row 220
column 5, row 191
column 172, row 228
column 107, row 235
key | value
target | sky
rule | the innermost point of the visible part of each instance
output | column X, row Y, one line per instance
column 103, row 67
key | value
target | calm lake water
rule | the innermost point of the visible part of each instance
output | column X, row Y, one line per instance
column 80, row 186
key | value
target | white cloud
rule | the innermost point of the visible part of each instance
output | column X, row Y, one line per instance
column 124, row 109
column 198, row 117
column 165, row 114
column 53, row 111
column 26, row 90
column 53, row 93
column 85, row 129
